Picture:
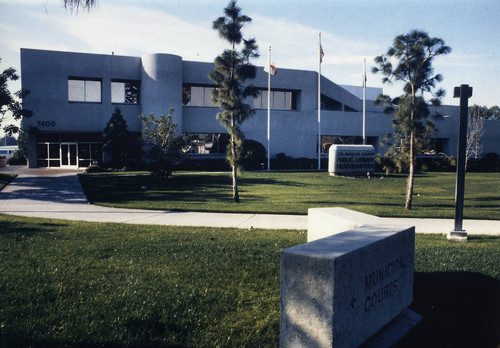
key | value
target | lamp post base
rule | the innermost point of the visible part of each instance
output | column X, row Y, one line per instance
column 457, row 236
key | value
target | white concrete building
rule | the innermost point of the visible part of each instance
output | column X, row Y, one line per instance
column 73, row 96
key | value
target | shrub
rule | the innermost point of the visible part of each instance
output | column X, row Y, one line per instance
column 254, row 154
column 490, row 162
column 285, row 162
column 387, row 165
column 17, row 159
column 436, row 164
column 164, row 146
column 94, row 168
column 282, row 156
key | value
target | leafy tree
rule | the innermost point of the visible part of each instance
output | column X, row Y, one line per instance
column 8, row 103
column 165, row 147
column 232, row 69
column 8, row 141
column 412, row 55
column 483, row 112
column 20, row 156
column 22, row 142
column 475, row 131
column 493, row 113
column 119, row 144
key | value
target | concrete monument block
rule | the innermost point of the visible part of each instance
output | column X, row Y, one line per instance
column 340, row 290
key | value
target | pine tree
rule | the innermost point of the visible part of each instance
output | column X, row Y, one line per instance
column 413, row 54
column 232, row 69
column 120, row 145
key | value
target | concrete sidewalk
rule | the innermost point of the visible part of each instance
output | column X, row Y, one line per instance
column 59, row 195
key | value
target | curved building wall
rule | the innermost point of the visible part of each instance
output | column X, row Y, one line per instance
column 162, row 86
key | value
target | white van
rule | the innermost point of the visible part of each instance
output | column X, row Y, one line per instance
column 8, row 151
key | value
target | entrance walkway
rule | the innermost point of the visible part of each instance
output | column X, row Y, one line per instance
column 57, row 194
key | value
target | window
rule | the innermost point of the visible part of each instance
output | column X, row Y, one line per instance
column 211, row 143
column 125, row 92
column 280, row 100
column 48, row 155
column 89, row 153
column 436, row 145
column 86, row 91
column 197, row 96
column 56, row 150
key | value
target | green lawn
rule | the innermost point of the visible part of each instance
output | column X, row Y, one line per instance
column 88, row 284
column 294, row 193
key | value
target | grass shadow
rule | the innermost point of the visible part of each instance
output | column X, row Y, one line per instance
column 26, row 229
column 19, row 341
column 190, row 188
column 459, row 309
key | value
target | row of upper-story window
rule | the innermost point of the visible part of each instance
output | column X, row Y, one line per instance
column 128, row 92
column 279, row 99
column 89, row 91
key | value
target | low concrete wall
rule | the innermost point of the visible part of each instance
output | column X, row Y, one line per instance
column 324, row 222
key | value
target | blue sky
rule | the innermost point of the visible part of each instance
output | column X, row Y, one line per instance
column 351, row 30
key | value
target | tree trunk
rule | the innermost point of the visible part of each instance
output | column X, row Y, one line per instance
column 411, row 174
column 236, row 196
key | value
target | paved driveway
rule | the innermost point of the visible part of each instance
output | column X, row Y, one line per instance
column 58, row 194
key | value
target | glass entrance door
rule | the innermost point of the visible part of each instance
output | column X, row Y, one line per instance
column 68, row 155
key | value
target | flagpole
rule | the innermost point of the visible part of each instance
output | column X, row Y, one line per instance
column 364, row 102
column 269, row 111
column 319, row 102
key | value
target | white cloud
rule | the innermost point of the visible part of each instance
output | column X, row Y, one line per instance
column 129, row 30
column 23, row 2
column 296, row 46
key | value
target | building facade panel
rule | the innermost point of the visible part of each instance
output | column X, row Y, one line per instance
column 201, row 120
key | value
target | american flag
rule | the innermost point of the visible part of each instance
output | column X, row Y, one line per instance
column 321, row 54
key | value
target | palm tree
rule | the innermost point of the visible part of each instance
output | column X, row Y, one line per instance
column 413, row 54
